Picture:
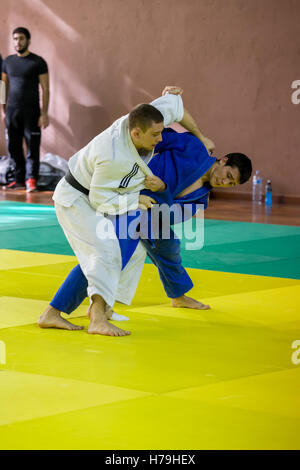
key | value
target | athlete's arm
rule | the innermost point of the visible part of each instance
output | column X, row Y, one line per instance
column 190, row 125
column 5, row 79
column 188, row 121
column 44, row 82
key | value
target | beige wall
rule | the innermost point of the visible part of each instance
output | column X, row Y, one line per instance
column 235, row 59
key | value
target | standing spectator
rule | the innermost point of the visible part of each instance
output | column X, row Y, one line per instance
column 1, row 88
column 22, row 73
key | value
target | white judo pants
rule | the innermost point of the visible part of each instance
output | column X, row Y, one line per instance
column 100, row 259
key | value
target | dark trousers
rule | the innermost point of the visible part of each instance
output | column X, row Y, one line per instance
column 165, row 255
column 23, row 123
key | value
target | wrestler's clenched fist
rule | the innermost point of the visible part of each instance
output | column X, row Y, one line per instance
column 154, row 183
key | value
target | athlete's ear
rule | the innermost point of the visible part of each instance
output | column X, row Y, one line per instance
column 135, row 132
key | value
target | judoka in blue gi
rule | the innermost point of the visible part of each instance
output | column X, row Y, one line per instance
column 189, row 172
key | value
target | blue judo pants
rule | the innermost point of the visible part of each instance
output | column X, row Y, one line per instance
column 165, row 254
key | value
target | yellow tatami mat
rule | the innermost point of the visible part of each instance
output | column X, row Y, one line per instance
column 217, row 379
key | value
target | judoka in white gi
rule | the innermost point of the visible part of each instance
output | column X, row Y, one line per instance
column 106, row 176
column 185, row 166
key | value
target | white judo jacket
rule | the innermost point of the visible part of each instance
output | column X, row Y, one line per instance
column 110, row 167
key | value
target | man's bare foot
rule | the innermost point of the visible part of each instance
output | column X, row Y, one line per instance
column 110, row 314
column 51, row 318
column 188, row 302
column 99, row 324
column 107, row 329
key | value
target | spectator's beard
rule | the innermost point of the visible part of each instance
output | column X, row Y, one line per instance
column 21, row 51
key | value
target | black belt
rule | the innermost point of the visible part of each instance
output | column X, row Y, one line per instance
column 73, row 182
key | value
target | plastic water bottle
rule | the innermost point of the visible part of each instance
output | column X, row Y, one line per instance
column 257, row 188
column 268, row 193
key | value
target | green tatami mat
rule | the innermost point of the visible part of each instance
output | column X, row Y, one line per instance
column 237, row 247
column 31, row 227
column 247, row 248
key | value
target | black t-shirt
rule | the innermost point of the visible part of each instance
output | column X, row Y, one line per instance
column 23, row 74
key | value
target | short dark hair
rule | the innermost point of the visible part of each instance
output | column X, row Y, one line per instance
column 143, row 116
column 22, row 30
column 242, row 163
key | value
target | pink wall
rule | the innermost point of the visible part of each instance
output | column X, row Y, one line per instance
column 235, row 59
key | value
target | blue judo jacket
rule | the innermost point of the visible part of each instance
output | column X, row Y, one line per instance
column 180, row 160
